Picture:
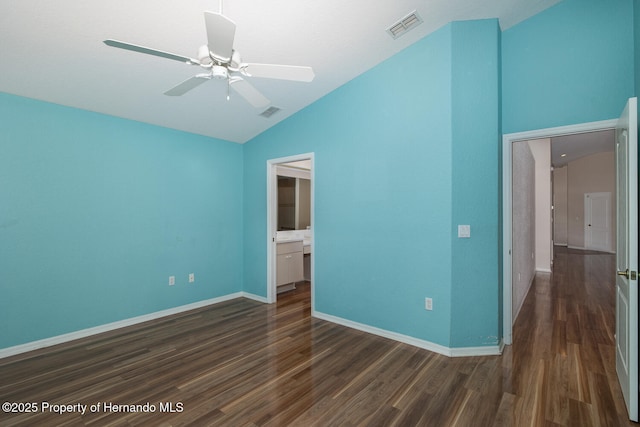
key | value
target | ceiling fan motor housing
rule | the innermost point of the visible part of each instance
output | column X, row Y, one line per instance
column 219, row 72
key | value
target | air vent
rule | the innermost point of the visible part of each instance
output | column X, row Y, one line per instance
column 407, row 23
column 269, row 112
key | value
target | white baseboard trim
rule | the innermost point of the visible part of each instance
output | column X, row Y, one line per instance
column 490, row 350
column 543, row 270
column 582, row 248
column 254, row 297
column 59, row 339
column 427, row 345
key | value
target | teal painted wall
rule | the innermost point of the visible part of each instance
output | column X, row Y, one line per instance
column 382, row 230
column 97, row 212
column 572, row 63
column 387, row 189
column 475, row 171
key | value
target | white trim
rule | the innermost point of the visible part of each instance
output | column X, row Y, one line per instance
column 427, row 345
column 83, row 333
column 293, row 172
column 254, row 297
column 543, row 270
column 272, row 220
column 507, row 211
column 490, row 350
column 582, row 248
column 507, row 141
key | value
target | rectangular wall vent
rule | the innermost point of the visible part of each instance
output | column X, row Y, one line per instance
column 407, row 23
column 270, row 112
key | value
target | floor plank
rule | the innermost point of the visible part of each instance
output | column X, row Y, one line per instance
column 246, row 363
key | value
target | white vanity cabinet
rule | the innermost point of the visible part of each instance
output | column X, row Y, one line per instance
column 289, row 267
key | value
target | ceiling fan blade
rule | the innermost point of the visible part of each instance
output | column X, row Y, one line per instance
column 149, row 51
column 283, row 72
column 188, row 84
column 220, row 34
column 250, row 93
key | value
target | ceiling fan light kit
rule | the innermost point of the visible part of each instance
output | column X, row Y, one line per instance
column 219, row 72
column 224, row 63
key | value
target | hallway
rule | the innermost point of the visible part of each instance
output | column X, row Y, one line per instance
column 562, row 361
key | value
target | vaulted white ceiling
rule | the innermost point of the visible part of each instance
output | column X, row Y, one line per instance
column 53, row 51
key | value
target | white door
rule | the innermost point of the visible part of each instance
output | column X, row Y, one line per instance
column 627, row 256
column 597, row 221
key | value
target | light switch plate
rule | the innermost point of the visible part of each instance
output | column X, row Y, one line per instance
column 464, row 231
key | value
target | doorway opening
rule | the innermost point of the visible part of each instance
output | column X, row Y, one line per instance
column 560, row 133
column 290, row 216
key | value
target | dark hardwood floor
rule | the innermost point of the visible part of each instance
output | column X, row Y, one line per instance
column 243, row 363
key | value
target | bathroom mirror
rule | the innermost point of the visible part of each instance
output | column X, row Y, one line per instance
column 294, row 195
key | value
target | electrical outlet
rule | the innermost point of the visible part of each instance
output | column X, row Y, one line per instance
column 428, row 304
column 192, row 277
column 172, row 280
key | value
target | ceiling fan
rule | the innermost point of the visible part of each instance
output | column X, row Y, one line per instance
column 222, row 62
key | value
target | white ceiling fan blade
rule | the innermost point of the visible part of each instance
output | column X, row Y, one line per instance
column 282, row 72
column 250, row 93
column 149, row 51
column 188, row 84
column 220, row 34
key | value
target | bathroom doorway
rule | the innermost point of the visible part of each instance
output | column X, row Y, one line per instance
column 290, row 216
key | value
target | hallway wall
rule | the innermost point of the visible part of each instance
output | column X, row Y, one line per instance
column 595, row 173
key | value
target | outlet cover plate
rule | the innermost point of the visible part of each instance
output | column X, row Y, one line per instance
column 464, row 231
column 428, row 304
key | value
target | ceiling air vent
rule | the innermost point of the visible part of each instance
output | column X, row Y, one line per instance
column 269, row 112
column 407, row 23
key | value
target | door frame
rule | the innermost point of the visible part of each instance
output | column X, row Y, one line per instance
column 507, row 205
column 272, row 222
